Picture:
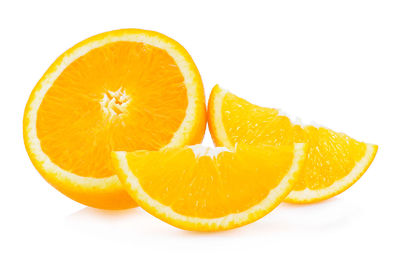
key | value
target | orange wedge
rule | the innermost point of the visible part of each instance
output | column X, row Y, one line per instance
column 121, row 90
column 334, row 161
column 203, row 189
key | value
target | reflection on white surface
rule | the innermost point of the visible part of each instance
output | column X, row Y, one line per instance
column 325, row 216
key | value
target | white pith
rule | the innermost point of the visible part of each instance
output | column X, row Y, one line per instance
column 200, row 150
column 295, row 120
column 217, row 118
column 167, row 213
column 339, row 185
column 32, row 141
column 115, row 103
column 306, row 195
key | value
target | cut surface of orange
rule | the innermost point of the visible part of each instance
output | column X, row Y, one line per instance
column 210, row 189
column 127, row 90
column 334, row 161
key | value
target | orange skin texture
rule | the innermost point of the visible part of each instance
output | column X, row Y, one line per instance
column 206, row 197
column 299, row 195
column 113, row 196
column 325, row 197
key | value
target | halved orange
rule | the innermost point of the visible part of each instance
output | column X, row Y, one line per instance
column 334, row 161
column 206, row 189
column 128, row 89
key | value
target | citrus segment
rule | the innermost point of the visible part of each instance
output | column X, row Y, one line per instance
column 121, row 90
column 197, row 188
column 334, row 161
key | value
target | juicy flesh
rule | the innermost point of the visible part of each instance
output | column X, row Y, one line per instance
column 210, row 186
column 121, row 96
column 331, row 155
column 245, row 123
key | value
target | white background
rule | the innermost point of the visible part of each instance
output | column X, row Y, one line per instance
column 336, row 63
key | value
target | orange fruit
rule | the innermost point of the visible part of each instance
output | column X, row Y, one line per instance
column 128, row 89
column 205, row 189
column 334, row 161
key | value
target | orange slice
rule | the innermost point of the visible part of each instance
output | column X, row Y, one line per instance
column 121, row 90
column 334, row 161
column 203, row 189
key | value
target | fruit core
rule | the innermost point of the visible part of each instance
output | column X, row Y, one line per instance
column 115, row 103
